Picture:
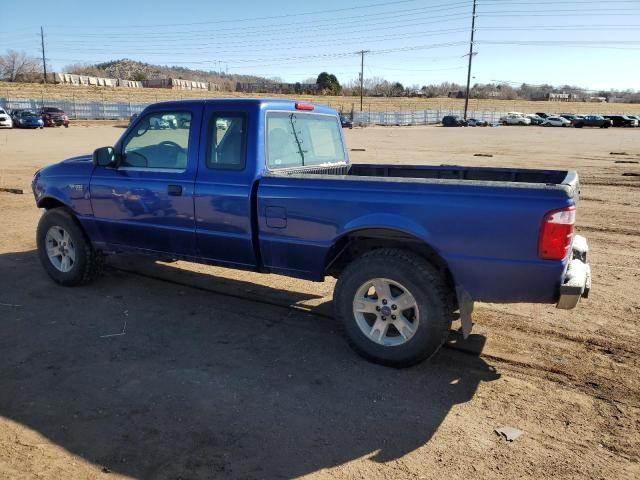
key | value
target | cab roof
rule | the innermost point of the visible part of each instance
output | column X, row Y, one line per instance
column 259, row 103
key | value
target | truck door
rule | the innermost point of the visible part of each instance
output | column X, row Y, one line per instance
column 223, row 207
column 146, row 202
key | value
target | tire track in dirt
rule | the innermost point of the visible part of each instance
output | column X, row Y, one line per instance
column 611, row 230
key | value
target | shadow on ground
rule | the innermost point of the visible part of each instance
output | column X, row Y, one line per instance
column 198, row 384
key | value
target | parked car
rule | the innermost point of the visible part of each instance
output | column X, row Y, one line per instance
column 635, row 117
column 183, row 119
column 515, row 119
column 163, row 122
column 556, row 122
column 409, row 244
column 622, row 121
column 473, row 122
column 453, row 121
column 346, row 122
column 571, row 117
column 27, row 119
column 54, row 117
column 535, row 119
column 15, row 113
column 592, row 121
column 5, row 119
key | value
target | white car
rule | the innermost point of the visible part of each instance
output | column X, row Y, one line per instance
column 5, row 119
column 556, row 122
column 516, row 119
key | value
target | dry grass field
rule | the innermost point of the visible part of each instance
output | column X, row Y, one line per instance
column 176, row 370
column 346, row 104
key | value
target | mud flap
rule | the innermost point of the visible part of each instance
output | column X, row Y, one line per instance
column 465, row 303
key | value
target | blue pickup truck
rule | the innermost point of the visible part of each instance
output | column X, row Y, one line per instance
column 266, row 185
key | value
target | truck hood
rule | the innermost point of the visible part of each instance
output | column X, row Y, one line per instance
column 79, row 165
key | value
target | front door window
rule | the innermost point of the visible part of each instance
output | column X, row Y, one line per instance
column 160, row 141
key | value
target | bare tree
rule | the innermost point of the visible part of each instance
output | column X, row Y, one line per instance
column 18, row 66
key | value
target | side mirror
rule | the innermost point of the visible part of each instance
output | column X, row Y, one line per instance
column 104, row 157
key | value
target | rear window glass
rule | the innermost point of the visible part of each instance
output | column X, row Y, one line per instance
column 302, row 139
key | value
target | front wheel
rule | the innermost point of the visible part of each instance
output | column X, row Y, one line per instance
column 394, row 307
column 66, row 255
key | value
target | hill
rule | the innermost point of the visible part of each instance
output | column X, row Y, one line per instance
column 127, row 69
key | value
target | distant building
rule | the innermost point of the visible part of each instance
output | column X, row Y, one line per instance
column 563, row 97
column 178, row 84
column 458, row 94
column 268, row 87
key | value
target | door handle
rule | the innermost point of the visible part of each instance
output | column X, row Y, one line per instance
column 175, row 190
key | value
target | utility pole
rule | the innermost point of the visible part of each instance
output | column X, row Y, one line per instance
column 362, row 52
column 473, row 28
column 44, row 62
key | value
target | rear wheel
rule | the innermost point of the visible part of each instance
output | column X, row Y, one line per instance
column 394, row 307
column 65, row 253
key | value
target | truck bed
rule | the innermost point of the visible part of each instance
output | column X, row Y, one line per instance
column 483, row 222
column 512, row 177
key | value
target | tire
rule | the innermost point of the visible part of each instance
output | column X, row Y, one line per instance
column 406, row 272
column 83, row 261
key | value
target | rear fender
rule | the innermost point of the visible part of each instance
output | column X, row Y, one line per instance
column 386, row 221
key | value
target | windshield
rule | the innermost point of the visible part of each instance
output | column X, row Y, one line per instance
column 302, row 139
column 27, row 114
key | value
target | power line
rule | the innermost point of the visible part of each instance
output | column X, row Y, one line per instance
column 251, row 19
column 268, row 47
column 287, row 28
column 574, row 13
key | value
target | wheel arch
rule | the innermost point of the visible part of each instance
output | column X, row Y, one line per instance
column 355, row 243
column 50, row 202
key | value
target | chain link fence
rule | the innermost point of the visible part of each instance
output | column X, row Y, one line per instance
column 77, row 109
column 103, row 110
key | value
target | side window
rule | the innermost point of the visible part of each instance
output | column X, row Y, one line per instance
column 160, row 140
column 227, row 141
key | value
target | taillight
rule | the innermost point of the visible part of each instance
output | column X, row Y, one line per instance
column 556, row 234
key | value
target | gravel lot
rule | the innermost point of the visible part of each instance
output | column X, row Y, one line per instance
column 221, row 374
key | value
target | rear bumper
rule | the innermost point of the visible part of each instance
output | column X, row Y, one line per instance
column 55, row 122
column 577, row 279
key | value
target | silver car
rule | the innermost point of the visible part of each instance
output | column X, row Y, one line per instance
column 5, row 119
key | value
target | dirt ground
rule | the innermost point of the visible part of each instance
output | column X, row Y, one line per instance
column 180, row 371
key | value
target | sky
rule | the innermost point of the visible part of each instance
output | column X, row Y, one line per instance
column 593, row 44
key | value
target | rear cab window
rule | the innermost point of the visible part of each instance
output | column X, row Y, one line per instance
column 296, row 139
